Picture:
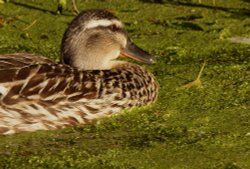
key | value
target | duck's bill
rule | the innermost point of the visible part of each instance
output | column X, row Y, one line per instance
column 134, row 52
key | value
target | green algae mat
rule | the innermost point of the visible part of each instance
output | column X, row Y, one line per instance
column 199, row 123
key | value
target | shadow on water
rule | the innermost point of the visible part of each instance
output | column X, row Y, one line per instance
column 246, row 1
column 180, row 25
column 236, row 11
column 37, row 8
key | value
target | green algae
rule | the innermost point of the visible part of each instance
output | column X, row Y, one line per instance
column 205, row 127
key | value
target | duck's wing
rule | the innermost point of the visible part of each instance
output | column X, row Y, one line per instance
column 50, row 96
column 18, row 60
column 44, row 96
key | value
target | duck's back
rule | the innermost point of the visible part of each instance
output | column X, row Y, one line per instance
column 18, row 60
column 50, row 96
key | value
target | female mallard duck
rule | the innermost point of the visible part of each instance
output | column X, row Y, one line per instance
column 38, row 94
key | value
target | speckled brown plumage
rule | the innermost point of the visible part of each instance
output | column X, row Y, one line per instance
column 21, row 59
column 50, row 96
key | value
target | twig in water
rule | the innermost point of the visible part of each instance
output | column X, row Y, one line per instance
column 75, row 9
column 196, row 82
column 29, row 26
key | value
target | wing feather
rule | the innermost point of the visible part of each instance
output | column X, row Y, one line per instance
column 18, row 60
column 50, row 96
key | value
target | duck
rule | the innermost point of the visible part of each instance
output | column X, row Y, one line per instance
column 90, row 81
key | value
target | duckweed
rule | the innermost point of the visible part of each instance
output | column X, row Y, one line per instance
column 198, row 127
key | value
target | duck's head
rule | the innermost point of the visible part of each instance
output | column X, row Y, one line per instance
column 95, row 39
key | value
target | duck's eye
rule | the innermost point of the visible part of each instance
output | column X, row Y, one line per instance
column 114, row 28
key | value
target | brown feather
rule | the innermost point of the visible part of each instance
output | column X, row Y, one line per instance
column 19, row 60
column 50, row 96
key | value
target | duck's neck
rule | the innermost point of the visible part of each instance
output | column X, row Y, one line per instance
column 87, row 61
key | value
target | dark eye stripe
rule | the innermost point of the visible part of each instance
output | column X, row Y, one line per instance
column 112, row 28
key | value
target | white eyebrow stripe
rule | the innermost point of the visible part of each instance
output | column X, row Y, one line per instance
column 102, row 22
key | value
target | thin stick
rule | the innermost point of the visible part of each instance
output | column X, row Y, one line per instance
column 202, row 68
column 75, row 7
column 29, row 26
column 196, row 82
